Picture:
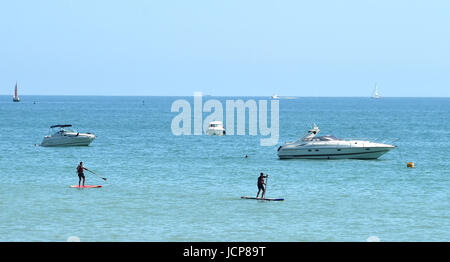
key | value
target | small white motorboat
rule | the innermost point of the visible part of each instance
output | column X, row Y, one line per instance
column 215, row 128
column 275, row 96
column 66, row 137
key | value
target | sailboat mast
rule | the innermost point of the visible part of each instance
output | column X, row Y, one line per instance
column 15, row 91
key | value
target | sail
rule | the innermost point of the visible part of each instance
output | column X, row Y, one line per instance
column 16, row 96
column 375, row 92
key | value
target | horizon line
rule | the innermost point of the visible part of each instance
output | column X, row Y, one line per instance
column 287, row 97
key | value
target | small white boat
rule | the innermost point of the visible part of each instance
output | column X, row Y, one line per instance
column 16, row 97
column 331, row 147
column 66, row 137
column 275, row 96
column 215, row 128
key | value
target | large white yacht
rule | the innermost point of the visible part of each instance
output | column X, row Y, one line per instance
column 215, row 128
column 63, row 136
column 331, row 147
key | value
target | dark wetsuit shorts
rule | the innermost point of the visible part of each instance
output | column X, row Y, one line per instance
column 81, row 175
column 260, row 186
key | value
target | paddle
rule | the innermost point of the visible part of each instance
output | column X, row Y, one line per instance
column 96, row 174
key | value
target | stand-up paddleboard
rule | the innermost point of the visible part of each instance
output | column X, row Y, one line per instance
column 86, row 186
column 266, row 199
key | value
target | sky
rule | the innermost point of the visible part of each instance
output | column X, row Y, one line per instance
column 226, row 47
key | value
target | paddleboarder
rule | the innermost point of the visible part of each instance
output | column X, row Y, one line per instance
column 80, row 172
column 261, row 185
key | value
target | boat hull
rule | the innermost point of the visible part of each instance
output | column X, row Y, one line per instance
column 351, row 153
column 81, row 140
column 215, row 132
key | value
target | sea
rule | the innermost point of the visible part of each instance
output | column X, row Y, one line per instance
column 165, row 187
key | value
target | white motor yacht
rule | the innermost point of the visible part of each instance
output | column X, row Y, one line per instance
column 215, row 128
column 275, row 96
column 331, row 147
column 63, row 136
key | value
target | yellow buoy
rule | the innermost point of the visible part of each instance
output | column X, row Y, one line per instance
column 410, row 164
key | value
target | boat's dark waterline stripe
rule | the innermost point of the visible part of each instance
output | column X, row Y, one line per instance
column 330, row 155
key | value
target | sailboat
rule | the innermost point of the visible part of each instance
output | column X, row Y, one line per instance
column 16, row 97
column 375, row 93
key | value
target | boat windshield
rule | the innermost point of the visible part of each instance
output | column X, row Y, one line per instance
column 325, row 138
column 62, row 130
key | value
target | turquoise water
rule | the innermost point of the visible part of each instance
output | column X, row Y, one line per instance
column 162, row 187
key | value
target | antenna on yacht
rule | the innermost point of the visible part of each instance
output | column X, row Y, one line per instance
column 311, row 133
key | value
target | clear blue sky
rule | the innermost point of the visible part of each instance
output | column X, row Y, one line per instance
column 225, row 47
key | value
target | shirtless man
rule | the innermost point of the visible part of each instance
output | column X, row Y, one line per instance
column 261, row 185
